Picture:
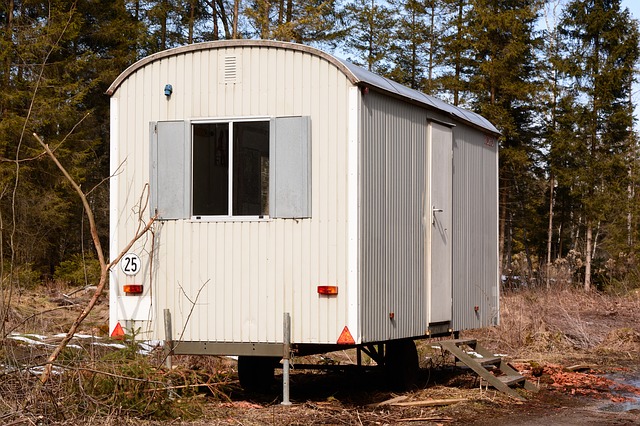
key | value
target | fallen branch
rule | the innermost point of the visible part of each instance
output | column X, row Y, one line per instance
column 429, row 402
column 198, row 385
column 426, row 419
column 580, row 367
column 388, row 401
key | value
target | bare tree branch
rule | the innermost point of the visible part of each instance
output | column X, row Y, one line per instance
column 85, row 203
column 104, row 266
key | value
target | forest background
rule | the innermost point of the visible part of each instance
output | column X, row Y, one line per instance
column 556, row 77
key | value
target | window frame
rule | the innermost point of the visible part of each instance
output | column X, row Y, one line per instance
column 171, row 169
column 228, row 217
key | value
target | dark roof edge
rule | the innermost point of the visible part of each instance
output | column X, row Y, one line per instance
column 397, row 90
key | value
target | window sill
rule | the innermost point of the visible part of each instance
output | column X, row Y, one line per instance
column 230, row 219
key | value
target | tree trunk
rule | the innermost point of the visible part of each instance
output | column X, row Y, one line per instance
column 289, row 15
column 214, row 18
column 4, row 302
column 192, row 19
column 587, row 258
column 575, row 225
column 501, row 232
column 236, row 10
column 458, row 70
column 525, row 238
column 280, row 12
column 550, row 229
column 225, row 20
column 163, row 25
column 432, row 42
column 7, row 63
column 264, row 7
column 630, row 196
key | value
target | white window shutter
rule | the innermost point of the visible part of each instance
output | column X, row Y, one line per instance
column 290, row 168
column 170, row 178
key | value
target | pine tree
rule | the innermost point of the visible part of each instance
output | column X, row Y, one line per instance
column 309, row 22
column 503, row 88
column 60, row 59
column 165, row 24
column 552, row 91
column 413, row 44
column 601, row 53
column 455, row 53
column 369, row 34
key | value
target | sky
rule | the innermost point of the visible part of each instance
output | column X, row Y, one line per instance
column 634, row 7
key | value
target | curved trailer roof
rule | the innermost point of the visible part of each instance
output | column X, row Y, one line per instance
column 355, row 74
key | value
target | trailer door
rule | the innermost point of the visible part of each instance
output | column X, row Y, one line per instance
column 440, row 288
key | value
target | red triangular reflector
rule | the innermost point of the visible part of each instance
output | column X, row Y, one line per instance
column 345, row 337
column 118, row 332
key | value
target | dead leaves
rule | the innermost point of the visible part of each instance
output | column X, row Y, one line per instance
column 591, row 383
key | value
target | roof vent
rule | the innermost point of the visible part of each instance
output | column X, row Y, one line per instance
column 230, row 69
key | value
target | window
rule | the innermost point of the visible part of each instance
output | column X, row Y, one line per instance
column 239, row 150
column 244, row 168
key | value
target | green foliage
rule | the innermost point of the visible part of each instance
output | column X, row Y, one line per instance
column 414, row 43
column 599, row 54
column 560, row 98
column 455, row 53
column 52, row 83
column 308, row 22
column 22, row 276
column 370, row 27
column 134, row 384
column 79, row 269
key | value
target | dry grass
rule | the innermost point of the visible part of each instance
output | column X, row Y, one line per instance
column 124, row 388
column 559, row 324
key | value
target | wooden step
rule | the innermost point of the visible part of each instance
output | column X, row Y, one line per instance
column 481, row 366
column 458, row 342
column 493, row 360
column 511, row 380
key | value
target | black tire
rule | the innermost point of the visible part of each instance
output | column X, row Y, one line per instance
column 401, row 364
column 256, row 373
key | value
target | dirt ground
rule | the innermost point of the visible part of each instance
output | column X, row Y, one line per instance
column 582, row 351
column 351, row 398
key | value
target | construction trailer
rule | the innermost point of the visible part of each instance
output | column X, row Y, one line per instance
column 303, row 204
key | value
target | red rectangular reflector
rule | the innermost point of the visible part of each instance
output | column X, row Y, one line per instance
column 132, row 289
column 327, row 289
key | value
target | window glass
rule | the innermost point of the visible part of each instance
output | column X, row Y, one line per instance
column 211, row 169
column 249, row 168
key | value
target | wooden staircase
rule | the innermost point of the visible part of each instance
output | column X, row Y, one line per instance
column 485, row 363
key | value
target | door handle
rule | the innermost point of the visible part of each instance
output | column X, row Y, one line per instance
column 434, row 210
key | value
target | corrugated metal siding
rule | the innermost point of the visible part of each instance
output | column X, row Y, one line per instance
column 393, row 188
column 475, row 235
column 232, row 281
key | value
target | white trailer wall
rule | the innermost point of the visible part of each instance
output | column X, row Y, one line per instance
column 231, row 280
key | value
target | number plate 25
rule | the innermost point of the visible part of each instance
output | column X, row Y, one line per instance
column 130, row 264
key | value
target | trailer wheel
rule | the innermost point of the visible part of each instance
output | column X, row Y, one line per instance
column 256, row 372
column 401, row 364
